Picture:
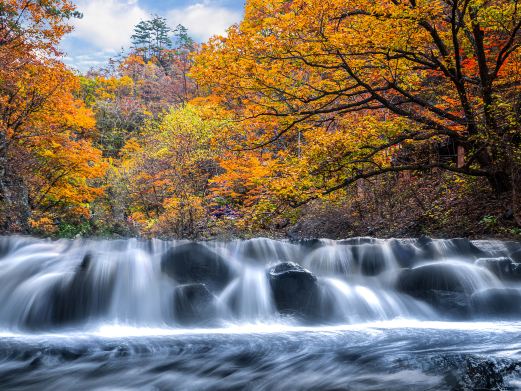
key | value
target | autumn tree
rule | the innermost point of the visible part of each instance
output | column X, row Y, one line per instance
column 47, row 159
column 167, row 172
column 340, row 91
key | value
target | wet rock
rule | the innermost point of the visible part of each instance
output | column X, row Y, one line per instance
column 434, row 276
column 194, row 304
column 404, row 252
column 75, row 300
column 498, row 302
column 331, row 260
column 295, row 289
column 357, row 241
column 370, row 258
column 266, row 250
column 458, row 247
column 195, row 263
column 83, row 297
column 516, row 256
column 455, row 305
column 503, row 267
column 463, row 246
column 309, row 244
column 444, row 286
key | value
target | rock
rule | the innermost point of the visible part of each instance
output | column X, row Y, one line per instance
column 194, row 304
column 295, row 289
column 195, row 263
column 459, row 247
column 83, row 297
column 309, row 244
column 497, row 302
column 454, row 305
column 266, row 250
column 370, row 258
column 357, row 241
column 445, row 286
column 331, row 260
column 404, row 252
column 434, row 276
column 463, row 247
column 503, row 267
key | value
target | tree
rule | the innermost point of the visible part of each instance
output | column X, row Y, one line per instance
column 35, row 24
column 167, row 171
column 340, row 91
column 47, row 160
column 151, row 38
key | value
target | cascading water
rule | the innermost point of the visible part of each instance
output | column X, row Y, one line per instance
column 359, row 313
column 52, row 284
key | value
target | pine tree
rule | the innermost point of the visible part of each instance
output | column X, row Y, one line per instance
column 142, row 39
column 151, row 38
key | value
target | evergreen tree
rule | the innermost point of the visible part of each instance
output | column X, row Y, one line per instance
column 151, row 38
column 182, row 40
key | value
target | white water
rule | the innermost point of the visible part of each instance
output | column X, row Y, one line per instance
column 45, row 285
column 101, row 315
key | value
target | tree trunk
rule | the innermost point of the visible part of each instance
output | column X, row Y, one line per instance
column 14, row 202
column 500, row 181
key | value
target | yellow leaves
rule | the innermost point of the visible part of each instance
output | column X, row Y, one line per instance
column 43, row 224
column 303, row 82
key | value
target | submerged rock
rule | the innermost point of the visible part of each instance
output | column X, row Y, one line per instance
column 445, row 286
column 433, row 276
column 194, row 304
column 357, row 241
column 404, row 252
column 503, row 267
column 195, row 263
column 458, row 247
column 266, row 250
column 309, row 244
column 86, row 295
column 497, row 302
column 370, row 258
column 295, row 289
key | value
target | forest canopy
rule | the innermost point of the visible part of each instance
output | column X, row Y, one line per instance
column 308, row 118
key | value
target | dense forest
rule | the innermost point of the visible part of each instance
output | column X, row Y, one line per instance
column 309, row 118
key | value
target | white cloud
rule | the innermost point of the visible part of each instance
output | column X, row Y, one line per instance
column 108, row 24
column 204, row 20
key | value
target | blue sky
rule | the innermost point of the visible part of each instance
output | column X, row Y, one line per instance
column 107, row 25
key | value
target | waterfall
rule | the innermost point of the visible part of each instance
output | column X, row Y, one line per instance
column 47, row 284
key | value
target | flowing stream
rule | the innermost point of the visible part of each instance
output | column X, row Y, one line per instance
column 356, row 314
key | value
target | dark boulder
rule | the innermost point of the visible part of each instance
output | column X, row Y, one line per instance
column 463, row 246
column 445, row 276
column 85, row 295
column 452, row 305
column 266, row 250
column 459, row 247
column 404, row 252
column 446, row 287
column 433, row 276
column 357, row 241
column 497, row 302
column 295, row 290
column 503, row 267
column 194, row 304
column 195, row 263
column 309, row 244
column 371, row 258
column 516, row 255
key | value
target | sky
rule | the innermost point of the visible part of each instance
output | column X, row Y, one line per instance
column 107, row 25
